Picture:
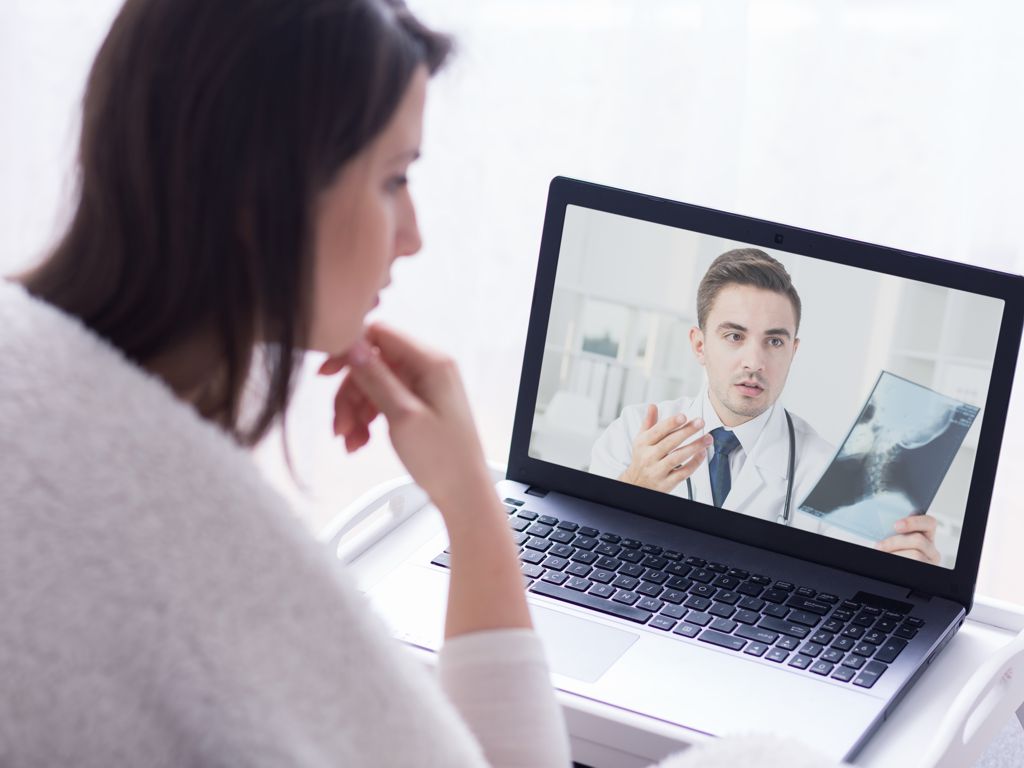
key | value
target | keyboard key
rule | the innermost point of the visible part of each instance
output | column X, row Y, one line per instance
column 863, row 620
column 750, row 589
column 865, row 649
column 800, row 661
column 555, row 563
column 554, row 577
column 726, row 582
column 723, row 625
column 870, row 674
column 651, row 549
column 854, row 662
column 825, row 597
column 821, row 667
column 890, row 650
column 532, row 571
column 722, row 641
column 832, row 626
column 561, row 537
column 738, row 573
column 725, row 596
column 578, row 569
column 602, row 590
column 444, row 560
column 631, row 544
column 806, row 592
column 775, row 596
column 874, row 637
column 518, row 524
column 756, row 633
column 527, row 514
column 903, row 631
column 655, row 563
column 784, row 627
column 722, row 611
column 854, row 632
column 566, row 525
column 698, row 618
column 588, row 531
column 811, row 606
column 677, row 569
column 832, row 655
column 662, row 622
column 609, row 538
column 655, row 577
column 821, row 637
column 609, row 550
column 885, row 625
column 625, row 582
column 673, row 596
column 687, row 630
column 843, row 674
column 561, row 550
column 520, row 538
column 580, row 585
column 589, row 601
column 698, row 603
column 649, row 604
column 514, row 502
column 746, row 617
column 760, row 580
column 648, row 589
column 787, row 643
column 601, row 576
column 529, row 556
column 775, row 611
column 538, row 545
column 696, row 562
column 913, row 621
column 871, row 610
column 755, row 649
column 777, row 655
column 701, row 590
column 582, row 556
column 717, row 567
column 630, row 569
column 805, row 618
column 547, row 520
column 673, row 611
column 811, row 649
column 584, row 542
column 785, row 586
column 626, row 597
column 608, row 563
column 670, row 554
column 703, row 575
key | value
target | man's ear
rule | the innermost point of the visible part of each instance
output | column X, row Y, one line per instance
column 796, row 344
column 697, row 343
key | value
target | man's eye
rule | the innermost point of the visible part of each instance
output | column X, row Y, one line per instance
column 775, row 342
column 733, row 337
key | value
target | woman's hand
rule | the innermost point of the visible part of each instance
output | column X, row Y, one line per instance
column 420, row 393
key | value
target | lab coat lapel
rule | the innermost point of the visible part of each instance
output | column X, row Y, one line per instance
column 700, row 479
column 766, row 464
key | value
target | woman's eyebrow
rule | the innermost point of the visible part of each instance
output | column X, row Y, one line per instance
column 407, row 154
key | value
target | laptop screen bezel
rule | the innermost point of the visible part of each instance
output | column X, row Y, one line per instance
column 955, row 584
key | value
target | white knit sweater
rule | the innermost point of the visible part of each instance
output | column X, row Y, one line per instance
column 161, row 606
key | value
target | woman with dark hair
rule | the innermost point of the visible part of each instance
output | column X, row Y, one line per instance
column 242, row 189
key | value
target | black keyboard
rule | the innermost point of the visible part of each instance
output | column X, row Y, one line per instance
column 706, row 601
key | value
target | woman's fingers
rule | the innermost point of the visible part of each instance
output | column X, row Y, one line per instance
column 379, row 383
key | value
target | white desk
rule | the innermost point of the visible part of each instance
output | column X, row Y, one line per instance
column 974, row 685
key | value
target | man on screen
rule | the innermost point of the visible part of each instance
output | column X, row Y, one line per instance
column 730, row 446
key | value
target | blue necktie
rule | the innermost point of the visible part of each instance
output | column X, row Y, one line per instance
column 721, row 481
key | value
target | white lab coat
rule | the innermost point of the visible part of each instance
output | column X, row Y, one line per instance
column 759, row 489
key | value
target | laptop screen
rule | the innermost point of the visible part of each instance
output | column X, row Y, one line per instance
column 812, row 394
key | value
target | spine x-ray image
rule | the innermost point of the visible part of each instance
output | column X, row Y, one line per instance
column 893, row 460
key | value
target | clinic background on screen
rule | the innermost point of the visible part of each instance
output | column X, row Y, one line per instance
column 890, row 373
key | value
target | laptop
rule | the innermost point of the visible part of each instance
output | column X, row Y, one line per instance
column 755, row 613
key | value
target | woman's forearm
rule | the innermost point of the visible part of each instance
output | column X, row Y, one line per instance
column 486, row 586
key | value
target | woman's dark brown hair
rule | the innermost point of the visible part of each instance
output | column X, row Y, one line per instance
column 208, row 129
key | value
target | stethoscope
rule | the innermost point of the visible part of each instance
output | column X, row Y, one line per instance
column 787, row 514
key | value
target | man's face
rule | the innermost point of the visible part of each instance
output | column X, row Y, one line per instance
column 747, row 346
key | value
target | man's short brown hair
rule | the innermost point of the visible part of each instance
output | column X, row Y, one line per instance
column 744, row 266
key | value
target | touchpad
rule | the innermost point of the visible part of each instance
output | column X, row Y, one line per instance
column 578, row 648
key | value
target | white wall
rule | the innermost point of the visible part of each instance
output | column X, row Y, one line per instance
column 894, row 121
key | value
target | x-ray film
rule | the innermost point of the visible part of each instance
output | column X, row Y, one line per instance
column 893, row 460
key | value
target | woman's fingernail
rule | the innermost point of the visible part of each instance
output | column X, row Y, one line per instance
column 359, row 354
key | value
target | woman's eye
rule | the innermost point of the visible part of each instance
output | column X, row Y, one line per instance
column 396, row 183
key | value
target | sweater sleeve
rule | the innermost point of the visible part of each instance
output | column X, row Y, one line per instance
column 498, row 681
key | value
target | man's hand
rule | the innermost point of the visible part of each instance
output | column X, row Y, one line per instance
column 660, row 461
column 916, row 539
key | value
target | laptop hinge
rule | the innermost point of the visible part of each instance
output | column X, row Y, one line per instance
column 535, row 491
